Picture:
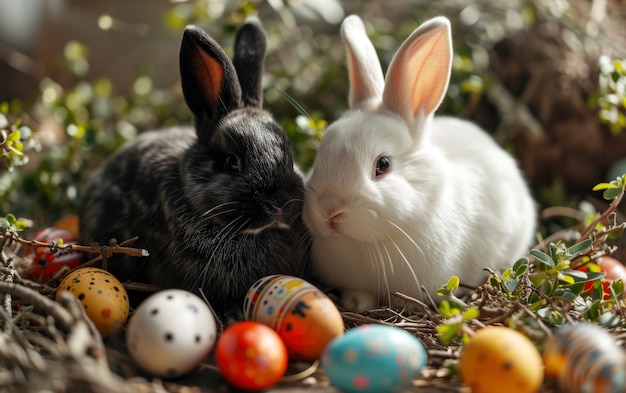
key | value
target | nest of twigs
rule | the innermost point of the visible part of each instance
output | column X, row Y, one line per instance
column 49, row 346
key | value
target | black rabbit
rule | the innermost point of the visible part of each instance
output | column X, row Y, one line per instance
column 217, row 207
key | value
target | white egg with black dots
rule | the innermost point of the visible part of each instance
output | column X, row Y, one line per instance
column 171, row 333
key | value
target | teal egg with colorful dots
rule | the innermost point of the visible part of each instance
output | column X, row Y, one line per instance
column 373, row 358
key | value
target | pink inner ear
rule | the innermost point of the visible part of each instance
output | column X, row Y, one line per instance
column 430, row 68
column 419, row 73
column 209, row 74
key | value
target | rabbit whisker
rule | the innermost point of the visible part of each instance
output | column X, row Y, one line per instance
column 295, row 104
column 217, row 207
column 385, row 276
column 404, row 258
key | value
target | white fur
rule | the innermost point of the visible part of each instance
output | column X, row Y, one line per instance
column 453, row 203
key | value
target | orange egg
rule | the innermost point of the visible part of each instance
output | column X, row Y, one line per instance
column 251, row 356
column 69, row 223
column 304, row 317
column 499, row 359
column 102, row 295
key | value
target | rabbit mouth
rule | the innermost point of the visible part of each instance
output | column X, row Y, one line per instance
column 273, row 225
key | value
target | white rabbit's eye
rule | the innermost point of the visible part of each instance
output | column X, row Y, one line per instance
column 231, row 164
column 383, row 165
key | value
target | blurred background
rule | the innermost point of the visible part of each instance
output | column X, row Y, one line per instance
column 78, row 78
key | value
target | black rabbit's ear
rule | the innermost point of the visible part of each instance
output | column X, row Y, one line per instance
column 208, row 78
column 250, row 47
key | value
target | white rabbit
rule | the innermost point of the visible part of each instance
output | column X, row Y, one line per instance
column 398, row 199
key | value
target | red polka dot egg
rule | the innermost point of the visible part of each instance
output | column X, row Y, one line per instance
column 251, row 356
column 46, row 261
column 373, row 358
column 102, row 295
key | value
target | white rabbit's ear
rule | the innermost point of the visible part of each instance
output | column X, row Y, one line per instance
column 366, row 74
column 419, row 72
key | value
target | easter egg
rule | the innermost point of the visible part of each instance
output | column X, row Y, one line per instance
column 373, row 358
column 304, row 317
column 585, row 358
column 102, row 295
column 498, row 357
column 171, row 333
column 613, row 269
column 68, row 223
column 45, row 261
column 251, row 355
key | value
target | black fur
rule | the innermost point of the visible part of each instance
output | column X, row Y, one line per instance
column 198, row 199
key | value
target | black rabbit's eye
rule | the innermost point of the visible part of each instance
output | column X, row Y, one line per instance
column 231, row 164
column 383, row 165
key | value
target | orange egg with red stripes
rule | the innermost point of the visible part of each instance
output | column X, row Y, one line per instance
column 102, row 295
column 304, row 317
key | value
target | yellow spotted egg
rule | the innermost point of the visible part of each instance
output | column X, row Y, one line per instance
column 499, row 359
column 102, row 295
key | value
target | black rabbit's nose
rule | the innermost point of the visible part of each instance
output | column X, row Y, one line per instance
column 279, row 216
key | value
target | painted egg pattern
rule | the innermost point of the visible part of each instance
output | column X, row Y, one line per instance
column 251, row 355
column 497, row 357
column 585, row 358
column 102, row 295
column 46, row 262
column 373, row 358
column 304, row 317
column 171, row 333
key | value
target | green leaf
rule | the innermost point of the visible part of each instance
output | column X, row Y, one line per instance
column 612, row 193
column 453, row 283
column 506, row 275
column 565, row 294
column 580, row 247
column 603, row 186
column 576, row 274
column 554, row 251
column 566, row 279
column 14, row 136
column 471, row 313
column 618, row 288
column 593, row 313
column 543, row 258
column 511, row 285
column 448, row 332
column 445, row 310
column 444, row 292
column 520, row 267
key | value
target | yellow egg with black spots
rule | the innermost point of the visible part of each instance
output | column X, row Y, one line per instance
column 102, row 295
column 499, row 359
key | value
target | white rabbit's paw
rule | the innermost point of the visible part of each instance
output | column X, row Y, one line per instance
column 358, row 300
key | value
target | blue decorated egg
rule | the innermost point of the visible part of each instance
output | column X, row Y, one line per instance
column 373, row 358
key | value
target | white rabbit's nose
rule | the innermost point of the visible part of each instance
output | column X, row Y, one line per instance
column 331, row 208
column 332, row 222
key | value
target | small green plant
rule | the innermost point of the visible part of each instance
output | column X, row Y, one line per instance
column 15, row 140
column 557, row 283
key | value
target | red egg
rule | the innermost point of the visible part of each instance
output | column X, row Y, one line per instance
column 613, row 269
column 251, row 356
column 45, row 261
